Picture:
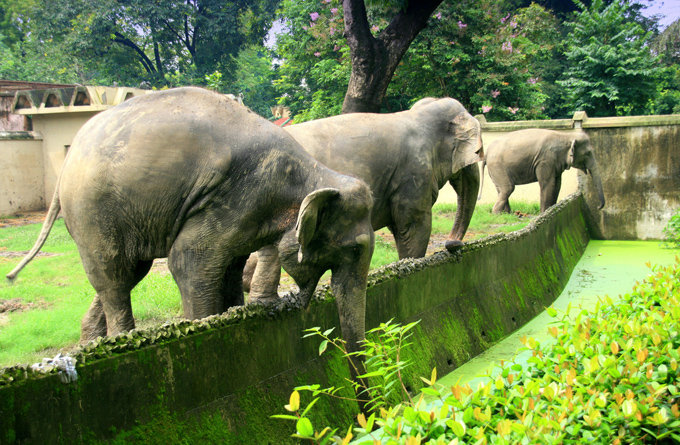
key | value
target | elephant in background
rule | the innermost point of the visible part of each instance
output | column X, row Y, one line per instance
column 194, row 176
column 531, row 155
column 405, row 158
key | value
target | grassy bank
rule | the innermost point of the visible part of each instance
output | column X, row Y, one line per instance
column 40, row 313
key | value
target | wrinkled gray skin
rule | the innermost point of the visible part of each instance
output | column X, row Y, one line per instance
column 196, row 177
column 531, row 155
column 405, row 158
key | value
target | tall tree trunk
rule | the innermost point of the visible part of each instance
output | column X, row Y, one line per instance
column 374, row 59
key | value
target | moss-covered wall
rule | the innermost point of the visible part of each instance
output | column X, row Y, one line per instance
column 219, row 379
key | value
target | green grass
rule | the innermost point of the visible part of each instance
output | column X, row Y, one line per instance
column 56, row 293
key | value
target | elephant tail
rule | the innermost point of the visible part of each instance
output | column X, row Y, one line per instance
column 481, row 181
column 52, row 214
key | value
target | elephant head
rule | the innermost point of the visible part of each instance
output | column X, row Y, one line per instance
column 459, row 138
column 333, row 231
column 580, row 156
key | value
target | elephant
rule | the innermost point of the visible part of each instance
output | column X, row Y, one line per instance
column 531, row 155
column 405, row 158
column 193, row 176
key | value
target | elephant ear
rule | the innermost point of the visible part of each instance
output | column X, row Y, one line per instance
column 306, row 225
column 468, row 135
column 570, row 155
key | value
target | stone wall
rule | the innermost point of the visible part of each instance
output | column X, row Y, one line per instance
column 219, row 379
column 639, row 159
column 22, row 178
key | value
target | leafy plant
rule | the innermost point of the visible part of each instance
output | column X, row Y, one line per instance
column 382, row 355
column 609, row 376
column 672, row 231
column 611, row 70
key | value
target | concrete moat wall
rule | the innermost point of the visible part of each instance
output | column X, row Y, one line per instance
column 219, row 379
column 639, row 160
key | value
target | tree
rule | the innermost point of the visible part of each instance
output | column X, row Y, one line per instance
column 611, row 70
column 374, row 58
column 472, row 50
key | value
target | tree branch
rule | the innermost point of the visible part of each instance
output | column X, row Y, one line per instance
column 145, row 61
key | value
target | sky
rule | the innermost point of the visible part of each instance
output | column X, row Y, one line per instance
column 670, row 9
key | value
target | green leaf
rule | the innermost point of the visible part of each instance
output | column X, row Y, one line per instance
column 323, row 346
column 458, row 427
column 430, row 391
column 284, row 416
column 304, row 427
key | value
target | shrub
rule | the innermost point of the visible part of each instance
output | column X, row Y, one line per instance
column 672, row 231
column 609, row 376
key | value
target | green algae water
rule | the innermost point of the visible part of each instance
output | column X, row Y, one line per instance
column 607, row 268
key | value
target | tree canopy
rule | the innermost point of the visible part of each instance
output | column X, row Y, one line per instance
column 507, row 59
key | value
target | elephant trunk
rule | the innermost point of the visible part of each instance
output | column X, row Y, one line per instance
column 467, row 187
column 594, row 171
column 349, row 287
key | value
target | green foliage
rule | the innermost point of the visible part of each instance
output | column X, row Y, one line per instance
column 609, row 376
column 315, row 67
column 381, row 353
column 672, row 231
column 493, row 62
column 253, row 79
column 127, row 42
column 610, row 71
column 667, row 44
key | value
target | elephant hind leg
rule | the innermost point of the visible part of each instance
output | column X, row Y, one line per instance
column 266, row 276
column 503, row 201
column 111, row 310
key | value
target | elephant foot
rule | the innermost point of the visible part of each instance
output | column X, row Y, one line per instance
column 453, row 245
column 263, row 299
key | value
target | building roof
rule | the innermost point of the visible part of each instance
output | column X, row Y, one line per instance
column 12, row 86
column 73, row 98
column 283, row 121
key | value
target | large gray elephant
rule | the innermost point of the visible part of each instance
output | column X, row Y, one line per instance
column 405, row 158
column 531, row 155
column 196, row 177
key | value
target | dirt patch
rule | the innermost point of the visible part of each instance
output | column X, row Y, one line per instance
column 23, row 253
column 21, row 219
column 14, row 305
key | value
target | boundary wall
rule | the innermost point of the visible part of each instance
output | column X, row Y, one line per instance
column 22, row 178
column 218, row 380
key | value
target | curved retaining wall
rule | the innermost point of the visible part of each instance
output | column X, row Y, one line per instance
column 221, row 378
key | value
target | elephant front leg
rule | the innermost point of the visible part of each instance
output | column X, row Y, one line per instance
column 265, row 281
column 550, row 190
column 411, row 232
column 203, row 275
